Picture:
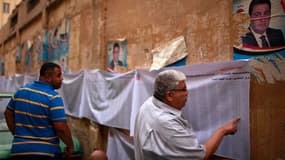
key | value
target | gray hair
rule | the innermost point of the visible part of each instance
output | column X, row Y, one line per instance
column 166, row 81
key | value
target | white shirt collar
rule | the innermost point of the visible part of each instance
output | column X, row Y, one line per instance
column 166, row 107
column 257, row 37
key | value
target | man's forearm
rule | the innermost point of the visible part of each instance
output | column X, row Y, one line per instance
column 10, row 121
column 213, row 142
column 64, row 134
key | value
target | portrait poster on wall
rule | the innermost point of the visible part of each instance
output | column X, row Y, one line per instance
column 56, row 44
column 48, row 45
column 259, row 28
column 117, row 52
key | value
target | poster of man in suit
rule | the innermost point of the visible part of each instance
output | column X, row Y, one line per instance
column 262, row 32
column 117, row 51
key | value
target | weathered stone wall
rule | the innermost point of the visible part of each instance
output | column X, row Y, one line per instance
column 146, row 25
column 90, row 134
column 206, row 26
column 84, row 38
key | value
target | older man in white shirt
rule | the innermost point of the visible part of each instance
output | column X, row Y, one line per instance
column 160, row 131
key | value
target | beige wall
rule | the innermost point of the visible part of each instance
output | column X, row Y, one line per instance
column 145, row 25
column 206, row 25
column 4, row 16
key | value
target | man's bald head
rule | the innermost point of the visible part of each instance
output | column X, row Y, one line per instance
column 98, row 155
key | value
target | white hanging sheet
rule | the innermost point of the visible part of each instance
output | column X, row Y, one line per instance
column 218, row 93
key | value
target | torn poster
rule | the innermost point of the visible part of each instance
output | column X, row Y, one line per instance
column 169, row 53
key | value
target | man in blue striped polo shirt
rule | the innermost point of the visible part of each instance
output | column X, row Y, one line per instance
column 35, row 116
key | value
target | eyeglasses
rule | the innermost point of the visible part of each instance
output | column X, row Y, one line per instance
column 180, row 89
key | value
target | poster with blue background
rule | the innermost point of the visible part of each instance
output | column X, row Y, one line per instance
column 259, row 29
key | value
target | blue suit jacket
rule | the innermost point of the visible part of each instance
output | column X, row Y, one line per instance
column 275, row 37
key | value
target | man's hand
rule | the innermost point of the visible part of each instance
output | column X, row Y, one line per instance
column 68, row 152
column 64, row 134
column 214, row 141
column 231, row 126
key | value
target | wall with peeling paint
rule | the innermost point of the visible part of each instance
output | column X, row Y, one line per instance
column 206, row 25
column 151, row 23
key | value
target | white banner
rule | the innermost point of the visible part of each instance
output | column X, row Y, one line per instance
column 218, row 93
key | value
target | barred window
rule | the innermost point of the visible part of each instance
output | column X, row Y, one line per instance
column 6, row 7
